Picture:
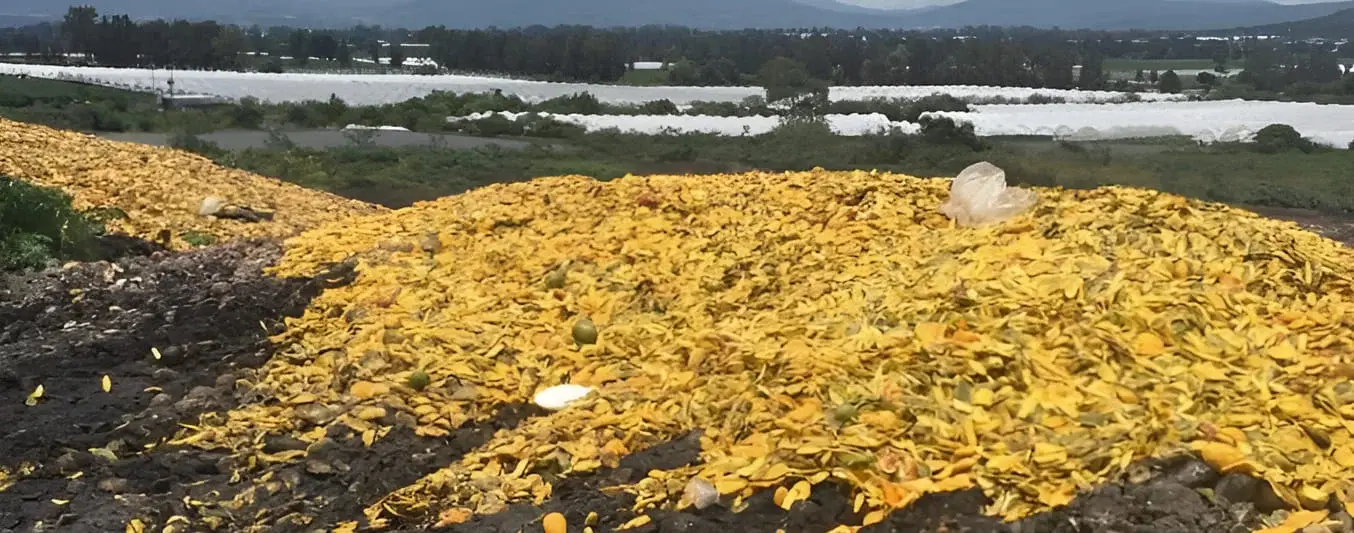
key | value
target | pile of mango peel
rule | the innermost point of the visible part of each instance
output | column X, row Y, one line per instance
column 814, row 327
column 155, row 193
column 821, row 327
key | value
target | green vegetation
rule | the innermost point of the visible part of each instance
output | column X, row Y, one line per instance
column 1133, row 65
column 1281, row 169
column 76, row 106
column 1280, row 173
column 38, row 225
column 645, row 77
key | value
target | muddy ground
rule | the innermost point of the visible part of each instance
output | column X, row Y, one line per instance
column 208, row 313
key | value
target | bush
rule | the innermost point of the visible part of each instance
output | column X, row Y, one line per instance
column 943, row 130
column 189, row 142
column 1170, row 82
column 534, row 125
column 720, row 109
column 39, row 225
column 935, row 102
column 659, row 107
column 492, row 126
column 1276, row 138
column 580, row 103
column 272, row 66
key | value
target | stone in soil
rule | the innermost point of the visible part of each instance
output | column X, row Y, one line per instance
column 208, row 312
column 1169, row 500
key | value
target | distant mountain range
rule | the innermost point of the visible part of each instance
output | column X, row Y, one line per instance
column 1335, row 25
column 706, row 14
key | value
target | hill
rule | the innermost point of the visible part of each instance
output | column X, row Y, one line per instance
column 1333, row 26
column 718, row 14
column 1114, row 14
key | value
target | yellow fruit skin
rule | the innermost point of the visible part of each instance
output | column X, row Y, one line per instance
column 555, row 523
column 168, row 188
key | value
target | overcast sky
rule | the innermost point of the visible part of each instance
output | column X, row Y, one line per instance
column 911, row 4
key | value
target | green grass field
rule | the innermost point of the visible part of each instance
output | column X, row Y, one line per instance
column 644, row 77
column 1161, row 65
column 19, row 92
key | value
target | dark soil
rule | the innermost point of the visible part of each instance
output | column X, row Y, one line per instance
column 340, row 476
column 1169, row 499
column 205, row 311
column 208, row 312
column 1336, row 226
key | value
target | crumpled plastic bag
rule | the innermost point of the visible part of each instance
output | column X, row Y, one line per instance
column 979, row 195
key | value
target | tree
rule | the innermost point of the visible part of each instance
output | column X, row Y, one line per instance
column 323, row 45
column 1153, row 77
column 1320, row 66
column 1206, row 78
column 1169, row 82
column 1092, row 71
column 116, row 44
column 344, row 55
column 684, row 72
column 1139, row 77
column 785, row 79
column 296, row 46
column 1261, row 67
column 229, row 44
column 374, row 51
column 1220, row 61
column 396, row 55
column 79, row 29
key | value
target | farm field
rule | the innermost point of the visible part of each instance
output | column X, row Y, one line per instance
column 392, row 88
column 1210, row 121
column 1077, row 115
column 1160, row 65
column 323, row 139
column 400, row 392
column 777, row 320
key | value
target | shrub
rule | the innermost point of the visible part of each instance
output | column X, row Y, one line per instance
column 534, row 125
column 38, row 225
column 492, row 126
column 1169, row 82
column 189, row 142
column 659, row 107
column 579, row 103
column 943, row 130
column 1276, row 138
column 272, row 66
column 718, row 109
column 935, row 102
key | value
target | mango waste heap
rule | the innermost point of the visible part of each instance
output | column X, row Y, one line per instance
column 158, row 191
column 822, row 327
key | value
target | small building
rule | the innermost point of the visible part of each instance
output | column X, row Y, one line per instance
column 648, row 65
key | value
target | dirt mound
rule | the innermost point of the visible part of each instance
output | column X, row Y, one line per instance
column 154, row 191
column 124, row 352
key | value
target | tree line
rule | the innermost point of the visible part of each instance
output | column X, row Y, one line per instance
column 972, row 56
